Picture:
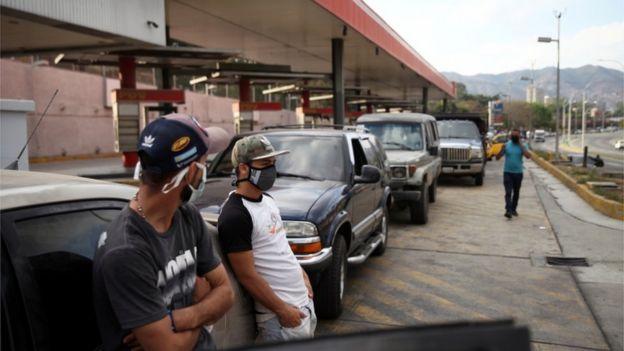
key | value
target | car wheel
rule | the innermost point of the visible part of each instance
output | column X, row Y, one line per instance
column 328, row 300
column 433, row 190
column 383, row 229
column 419, row 210
column 479, row 179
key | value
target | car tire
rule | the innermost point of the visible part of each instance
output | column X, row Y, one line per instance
column 433, row 189
column 330, row 292
column 419, row 210
column 479, row 178
column 383, row 229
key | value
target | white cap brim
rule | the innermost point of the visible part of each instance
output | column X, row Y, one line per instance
column 272, row 154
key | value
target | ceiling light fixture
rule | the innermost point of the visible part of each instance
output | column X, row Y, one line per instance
column 278, row 89
column 198, row 80
column 322, row 97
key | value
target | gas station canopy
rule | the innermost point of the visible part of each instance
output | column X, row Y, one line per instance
column 293, row 33
column 299, row 33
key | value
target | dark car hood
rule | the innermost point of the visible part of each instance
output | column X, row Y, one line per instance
column 294, row 197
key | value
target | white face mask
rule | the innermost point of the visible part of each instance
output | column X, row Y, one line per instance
column 197, row 193
column 175, row 182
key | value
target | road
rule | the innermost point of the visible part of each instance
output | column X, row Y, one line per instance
column 470, row 263
column 598, row 143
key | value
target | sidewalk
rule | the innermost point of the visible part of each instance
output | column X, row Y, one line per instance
column 583, row 232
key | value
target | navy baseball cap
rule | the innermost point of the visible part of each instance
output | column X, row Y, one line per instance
column 172, row 142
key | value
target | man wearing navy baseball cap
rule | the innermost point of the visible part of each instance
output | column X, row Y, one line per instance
column 157, row 278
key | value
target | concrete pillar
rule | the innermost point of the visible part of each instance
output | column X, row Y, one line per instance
column 338, row 80
column 445, row 105
column 127, row 75
column 305, row 99
column 425, row 99
column 167, row 80
column 244, row 88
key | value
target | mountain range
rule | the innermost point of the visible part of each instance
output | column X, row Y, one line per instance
column 601, row 84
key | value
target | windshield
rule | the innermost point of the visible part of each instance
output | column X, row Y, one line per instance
column 311, row 157
column 454, row 129
column 398, row 136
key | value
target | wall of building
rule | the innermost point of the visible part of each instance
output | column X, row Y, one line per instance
column 78, row 121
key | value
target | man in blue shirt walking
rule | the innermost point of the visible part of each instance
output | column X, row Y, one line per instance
column 513, row 151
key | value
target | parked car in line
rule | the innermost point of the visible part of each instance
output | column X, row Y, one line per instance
column 619, row 144
column 495, row 146
column 412, row 143
column 462, row 147
column 540, row 136
column 333, row 193
column 50, row 228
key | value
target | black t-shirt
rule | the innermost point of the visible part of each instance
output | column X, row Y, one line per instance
column 235, row 225
column 139, row 274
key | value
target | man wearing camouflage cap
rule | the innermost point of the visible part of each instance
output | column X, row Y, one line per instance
column 252, row 236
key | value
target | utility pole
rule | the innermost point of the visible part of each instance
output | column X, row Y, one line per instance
column 558, row 15
column 558, row 102
column 569, row 117
column 583, row 122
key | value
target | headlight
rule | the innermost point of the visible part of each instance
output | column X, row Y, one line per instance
column 399, row 172
column 476, row 153
column 295, row 229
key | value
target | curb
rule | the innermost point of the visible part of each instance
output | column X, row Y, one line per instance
column 605, row 206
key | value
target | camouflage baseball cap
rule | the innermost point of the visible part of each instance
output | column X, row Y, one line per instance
column 253, row 147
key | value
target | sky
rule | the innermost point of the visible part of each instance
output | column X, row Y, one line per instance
column 495, row 36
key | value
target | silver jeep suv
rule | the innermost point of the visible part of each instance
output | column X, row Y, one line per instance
column 411, row 141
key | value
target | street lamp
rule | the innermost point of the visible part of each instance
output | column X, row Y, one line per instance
column 548, row 40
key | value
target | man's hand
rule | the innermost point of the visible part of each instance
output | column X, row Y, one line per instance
column 132, row 343
column 306, row 280
column 290, row 317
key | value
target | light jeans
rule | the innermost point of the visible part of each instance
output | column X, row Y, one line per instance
column 270, row 330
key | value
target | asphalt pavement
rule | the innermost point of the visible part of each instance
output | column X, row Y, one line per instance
column 470, row 263
column 597, row 143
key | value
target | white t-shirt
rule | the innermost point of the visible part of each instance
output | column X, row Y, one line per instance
column 247, row 224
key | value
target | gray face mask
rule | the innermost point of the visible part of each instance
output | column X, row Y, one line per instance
column 262, row 178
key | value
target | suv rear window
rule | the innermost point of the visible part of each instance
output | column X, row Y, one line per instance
column 458, row 129
column 398, row 136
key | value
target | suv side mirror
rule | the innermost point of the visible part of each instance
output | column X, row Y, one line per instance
column 433, row 151
column 370, row 174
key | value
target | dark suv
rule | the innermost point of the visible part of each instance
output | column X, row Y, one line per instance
column 333, row 194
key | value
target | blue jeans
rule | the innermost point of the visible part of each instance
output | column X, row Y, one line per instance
column 270, row 330
column 512, row 182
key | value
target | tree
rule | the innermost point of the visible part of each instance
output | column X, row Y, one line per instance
column 518, row 114
column 619, row 110
column 543, row 116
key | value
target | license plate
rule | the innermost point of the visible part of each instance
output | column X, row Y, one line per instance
column 447, row 169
